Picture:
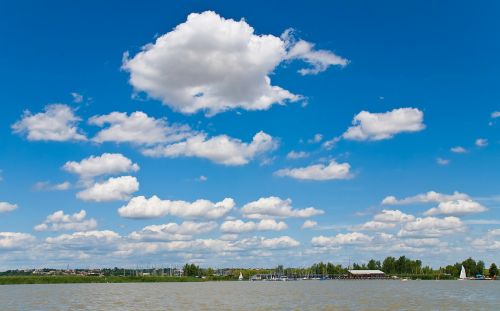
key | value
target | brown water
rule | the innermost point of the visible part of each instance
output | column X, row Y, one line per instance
column 299, row 295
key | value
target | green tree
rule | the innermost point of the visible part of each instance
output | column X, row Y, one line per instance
column 493, row 271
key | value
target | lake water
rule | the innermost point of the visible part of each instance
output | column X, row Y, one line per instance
column 299, row 295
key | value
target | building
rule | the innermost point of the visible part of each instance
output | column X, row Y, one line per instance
column 366, row 274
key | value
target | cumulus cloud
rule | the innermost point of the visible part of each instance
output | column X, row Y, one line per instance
column 458, row 149
column 393, row 216
column 105, row 164
column 85, row 239
column 340, row 239
column 275, row 207
column 374, row 226
column 495, row 114
column 379, row 126
column 59, row 221
column 7, row 207
column 15, row 240
column 279, row 242
column 331, row 171
column 315, row 139
column 220, row 149
column 293, row 155
column 57, row 123
column 137, row 128
column 309, row 224
column 113, row 189
column 173, row 231
column 432, row 227
column 143, row 208
column 456, row 207
column 442, row 161
column 48, row 186
column 429, row 197
column 239, row 226
column 214, row 64
column 481, row 142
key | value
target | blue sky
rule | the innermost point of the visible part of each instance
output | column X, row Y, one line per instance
column 306, row 112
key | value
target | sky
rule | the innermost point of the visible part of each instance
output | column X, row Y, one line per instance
column 251, row 134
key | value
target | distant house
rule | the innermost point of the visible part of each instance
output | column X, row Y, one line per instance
column 366, row 274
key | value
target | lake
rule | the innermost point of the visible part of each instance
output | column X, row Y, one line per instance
column 298, row 295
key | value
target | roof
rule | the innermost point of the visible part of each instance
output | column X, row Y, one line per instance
column 366, row 272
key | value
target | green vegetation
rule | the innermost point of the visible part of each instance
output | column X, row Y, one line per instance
column 62, row 279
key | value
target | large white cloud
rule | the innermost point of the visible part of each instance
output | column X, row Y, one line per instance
column 137, row 128
column 431, row 227
column 220, row 149
column 113, row 189
column 7, row 207
column 173, row 231
column 85, row 239
column 15, row 240
column 143, row 208
column 239, row 226
column 59, row 221
column 331, row 171
column 214, row 64
column 428, row 197
column 379, row 126
column 456, row 207
column 57, row 123
column 105, row 164
column 374, row 226
column 275, row 207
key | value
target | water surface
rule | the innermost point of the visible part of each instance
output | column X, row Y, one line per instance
column 299, row 295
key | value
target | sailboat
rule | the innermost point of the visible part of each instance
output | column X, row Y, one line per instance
column 463, row 276
column 240, row 278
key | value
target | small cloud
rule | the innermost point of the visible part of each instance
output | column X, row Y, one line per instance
column 77, row 98
column 309, row 224
column 481, row 142
column 293, row 155
column 202, row 178
column 495, row 114
column 458, row 149
column 442, row 161
column 48, row 186
column 316, row 139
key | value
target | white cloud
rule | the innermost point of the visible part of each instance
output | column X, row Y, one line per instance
column 77, row 98
column 340, row 239
column 495, row 114
column 57, row 123
column 214, row 64
column 279, row 242
column 316, row 139
column 429, row 197
column 456, row 207
column 481, row 142
column 220, row 149
column 14, row 240
column 293, row 155
column 106, row 164
column 331, row 171
column 393, row 216
column 138, row 128
column 309, row 224
column 142, row 208
column 442, row 161
column 239, row 226
column 432, row 227
column 7, row 207
column 113, row 189
column 275, row 207
column 379, row 126
column 85, row 238
column 319, row 60
column 47, row 186
column 458, row 149
column 202, row 178
column 59, row 221
column 173, row 231
column 374, row 226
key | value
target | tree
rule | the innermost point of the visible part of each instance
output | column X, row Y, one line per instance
column 493, row 271
column 389, row 265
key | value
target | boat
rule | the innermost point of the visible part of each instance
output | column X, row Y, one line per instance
column 240, row 278
column 463, row 276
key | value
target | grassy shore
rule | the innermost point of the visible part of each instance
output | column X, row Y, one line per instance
column 64, row 279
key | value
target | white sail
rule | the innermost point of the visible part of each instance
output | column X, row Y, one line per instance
column 240, row 277
column 463, row 276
